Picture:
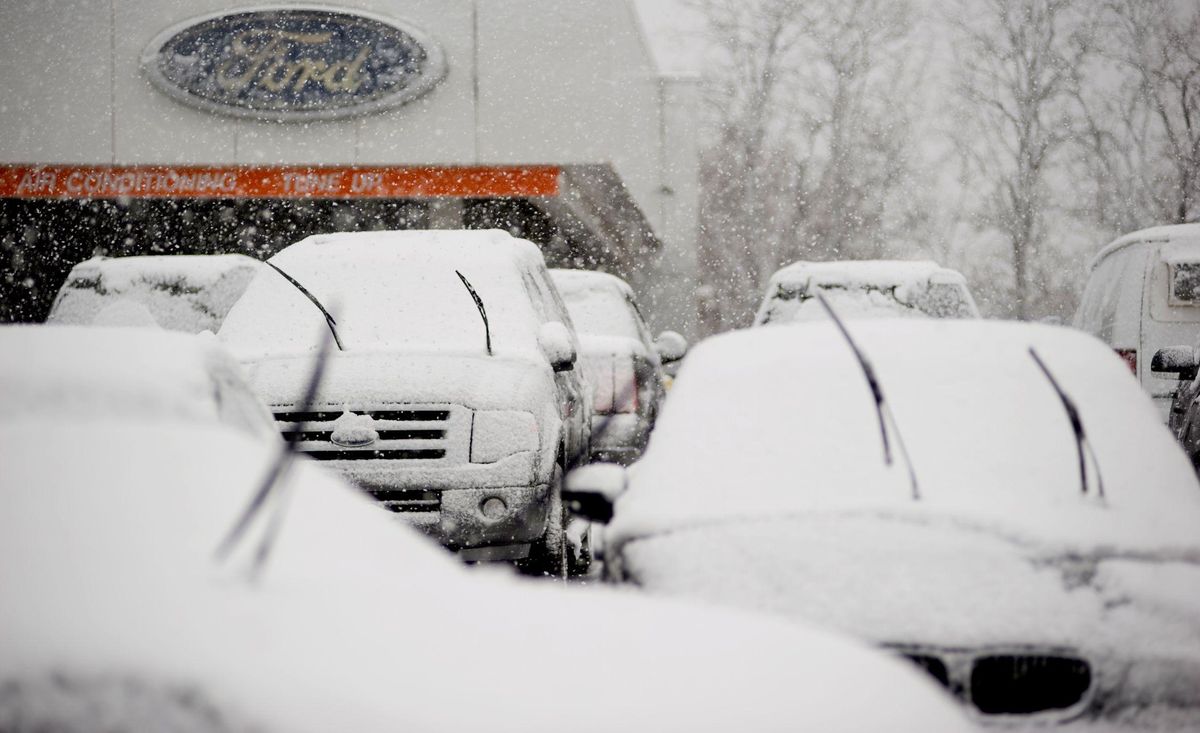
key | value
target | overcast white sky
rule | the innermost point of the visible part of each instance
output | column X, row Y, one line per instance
column 674, row 34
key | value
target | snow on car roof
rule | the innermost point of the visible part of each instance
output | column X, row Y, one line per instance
column 572, row 281
column 599, row 307
column 1181, row 234
column 80, row 372
column 391, row 290
column 769, row 421
column 875, row 272
column 359, row 623
column 190, row 293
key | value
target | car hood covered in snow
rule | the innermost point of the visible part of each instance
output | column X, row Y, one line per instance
column 77, row 372
column 933, row 585
column 765, row 486
column 359, row 624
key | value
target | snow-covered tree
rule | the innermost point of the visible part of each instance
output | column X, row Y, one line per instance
column 809, row 111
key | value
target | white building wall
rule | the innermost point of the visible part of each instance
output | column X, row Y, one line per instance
column 56, row 75
column 529, row 82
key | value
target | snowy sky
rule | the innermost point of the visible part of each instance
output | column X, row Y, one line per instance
column 674, row 33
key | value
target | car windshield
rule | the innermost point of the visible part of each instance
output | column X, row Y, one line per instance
column 189, row 293
column 868, row 300
column 601, row 312
column 967, row 398
column 384, row 298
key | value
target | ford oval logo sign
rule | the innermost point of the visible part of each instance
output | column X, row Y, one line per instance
column 296, row 63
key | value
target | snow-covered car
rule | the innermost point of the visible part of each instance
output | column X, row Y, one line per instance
column 454, row 397
column 123, row 619
column 952, row 525
column 623, row 363
column 67, row 374
column 1142, row 295
column 866, row 289
column 190, row 293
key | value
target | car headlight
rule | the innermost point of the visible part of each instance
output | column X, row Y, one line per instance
column 497, row 434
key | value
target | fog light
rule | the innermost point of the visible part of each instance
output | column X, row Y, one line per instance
column 493, row 507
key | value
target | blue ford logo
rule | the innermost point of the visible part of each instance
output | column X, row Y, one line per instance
column 293, row 63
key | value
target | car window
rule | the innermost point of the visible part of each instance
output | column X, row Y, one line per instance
column 535, row 297
column 552, row 304
column 1112, row 297
column 603, row 312
column 944, row 300
column 639, row 321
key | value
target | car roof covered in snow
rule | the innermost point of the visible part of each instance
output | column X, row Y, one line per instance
column 873, row 272
column 393, row 291
column 359, row 623
column 599, row 304
column 572, row 281
column 90, row 372
column 1180, row 236
column 190, row 293
column 765, row 422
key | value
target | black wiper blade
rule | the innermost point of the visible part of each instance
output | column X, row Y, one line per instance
column 273, row 479
column 1081, row 439
column 328, row 318
column 487, row 329
column 882, row 409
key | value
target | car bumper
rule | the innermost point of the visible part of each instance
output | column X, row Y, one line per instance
column 460, row 522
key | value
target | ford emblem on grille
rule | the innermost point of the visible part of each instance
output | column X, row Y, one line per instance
column 294, row 64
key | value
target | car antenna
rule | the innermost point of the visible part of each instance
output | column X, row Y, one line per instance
column 328, row 318
column 274, row 475
column 882, row 408
column 1081, row 439
column 487, row 329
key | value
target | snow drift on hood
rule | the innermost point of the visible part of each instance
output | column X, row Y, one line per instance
column 76, row 372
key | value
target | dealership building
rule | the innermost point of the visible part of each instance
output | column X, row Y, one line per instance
column 172, row 126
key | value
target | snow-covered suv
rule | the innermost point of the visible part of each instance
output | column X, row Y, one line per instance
column 453, row 398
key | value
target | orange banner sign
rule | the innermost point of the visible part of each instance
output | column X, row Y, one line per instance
column 284, row 182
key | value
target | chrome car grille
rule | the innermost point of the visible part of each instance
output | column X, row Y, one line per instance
column 1045, row 683
column 404, row 434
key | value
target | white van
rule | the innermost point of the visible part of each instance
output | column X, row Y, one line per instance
column 1143, row 294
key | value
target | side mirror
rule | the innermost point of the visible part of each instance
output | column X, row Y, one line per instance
column 670, row 346
column 557, row 345
column 589, row 492
column 1180, row 360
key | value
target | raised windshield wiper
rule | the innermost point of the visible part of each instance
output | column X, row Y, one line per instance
column 882, row 409
column 487, row 330
column 1081, row 439
column 272, row 480
column 328, row 318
